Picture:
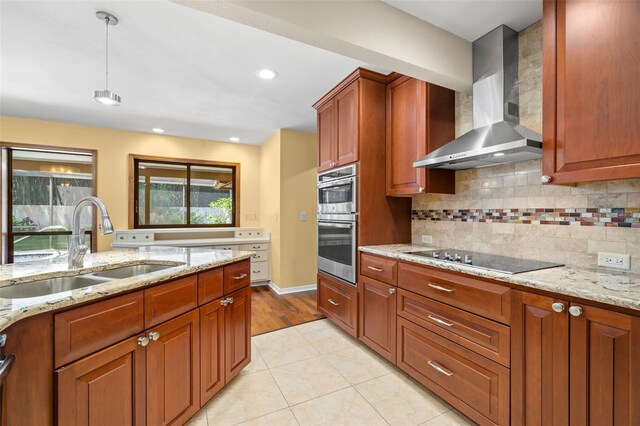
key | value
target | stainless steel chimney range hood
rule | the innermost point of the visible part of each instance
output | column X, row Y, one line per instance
column 497, row 136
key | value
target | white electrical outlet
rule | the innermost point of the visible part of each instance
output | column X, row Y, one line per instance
column 427, row 239
column 303, row 216
column 614, row 260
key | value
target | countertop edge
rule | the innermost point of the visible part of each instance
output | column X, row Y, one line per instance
column 113, row 288
column 518, row 279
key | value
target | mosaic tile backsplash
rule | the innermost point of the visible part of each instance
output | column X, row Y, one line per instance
column 619, row 217
column 506, row 210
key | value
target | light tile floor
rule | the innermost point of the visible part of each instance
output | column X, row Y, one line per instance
column 315, row 374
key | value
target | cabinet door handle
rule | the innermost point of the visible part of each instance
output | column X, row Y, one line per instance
column 557, row 307
column 231, row 299
column 576, row 311
column 154, row 335
column 440, row 321
column 143, row 341
column 373, row 268
column 392, row 290
column 439, row 368
column 225, row 301
column 440, row 288
column 241, row 276
column 333, row 302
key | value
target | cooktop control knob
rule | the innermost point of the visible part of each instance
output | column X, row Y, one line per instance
column 467, row 259
column 457, row 257
column 446, row 256
column 435, row 255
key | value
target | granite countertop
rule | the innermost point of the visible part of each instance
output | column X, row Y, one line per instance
column 614, row 288
column 185, row 261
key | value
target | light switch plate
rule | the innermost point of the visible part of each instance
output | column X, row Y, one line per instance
column 303, row 216
column 614, row 260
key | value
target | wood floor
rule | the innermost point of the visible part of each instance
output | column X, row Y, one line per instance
column 271, row 312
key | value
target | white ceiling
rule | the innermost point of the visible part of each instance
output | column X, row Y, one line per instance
column 188, row 72
column 471, row 19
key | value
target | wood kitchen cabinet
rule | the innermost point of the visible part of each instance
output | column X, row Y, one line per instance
column 378, row 316
column 339, row 302
column 338, row 129
column 212, row 348
column 173, row 370
column 591, row 95
column 561, row 349
column 420, row 118
column 106, row 388
column 237, row 330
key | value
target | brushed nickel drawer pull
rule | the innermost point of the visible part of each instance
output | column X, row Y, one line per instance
column 440, row 288
column 439, row 321
column 440, row 369
column 333, row 302
column 373, row 268
column 239, row 277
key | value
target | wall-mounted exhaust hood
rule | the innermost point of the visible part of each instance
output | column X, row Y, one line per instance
column 497, row 136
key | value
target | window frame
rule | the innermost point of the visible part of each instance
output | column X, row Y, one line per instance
column 6, row 200
column 134, row 159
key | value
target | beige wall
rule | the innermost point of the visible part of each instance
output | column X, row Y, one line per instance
column 270, row 199
column 288, row 179
column 113, row 148
column 517, row 186
column 298, row 194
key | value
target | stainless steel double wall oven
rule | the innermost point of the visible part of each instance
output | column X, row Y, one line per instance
column 337, row 222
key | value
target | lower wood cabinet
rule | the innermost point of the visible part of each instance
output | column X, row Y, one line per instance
column 475, row 385
column 173, row 370
column 212, row 348
column 561, row 349
column 339, row 302
column 106, row 388
column 161, row 376
column 378, row 316
column 237, row 333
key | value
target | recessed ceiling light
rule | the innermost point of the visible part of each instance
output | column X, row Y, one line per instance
column 157, row 130
column 234, row 139
column 267, row 74
column 498, row 154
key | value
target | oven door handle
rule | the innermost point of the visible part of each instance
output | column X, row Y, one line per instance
column 336, row 182
column 336, row 225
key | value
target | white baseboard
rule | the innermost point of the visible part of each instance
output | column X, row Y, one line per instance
column 289, row 290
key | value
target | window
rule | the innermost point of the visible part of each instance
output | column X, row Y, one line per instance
column 40, row 190
column 183, row 193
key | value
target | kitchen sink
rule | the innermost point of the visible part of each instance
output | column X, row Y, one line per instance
column 130, row 271
column 49, row 286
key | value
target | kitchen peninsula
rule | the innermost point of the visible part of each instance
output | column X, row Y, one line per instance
column 135, row 311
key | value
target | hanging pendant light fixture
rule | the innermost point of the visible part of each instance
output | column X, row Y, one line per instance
column 107, row 97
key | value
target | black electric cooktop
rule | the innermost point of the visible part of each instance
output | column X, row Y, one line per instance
column 492, row 262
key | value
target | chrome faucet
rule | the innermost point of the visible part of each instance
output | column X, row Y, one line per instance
column 77, row 248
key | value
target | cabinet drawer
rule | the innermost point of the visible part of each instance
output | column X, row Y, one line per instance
column 339, row 302
column 379, row 268
column 259, row 271
column 471, row 294
column 85, row 330
column 236, row 276
column 481, row 335
column 210, row 285
column 254, row 247
column 230, row 247
column 473, row 384
column 169, row 300
column 260, row 256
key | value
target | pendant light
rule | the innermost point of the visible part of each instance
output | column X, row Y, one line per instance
column 107, row 97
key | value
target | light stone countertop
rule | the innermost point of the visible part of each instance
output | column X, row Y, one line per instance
column 605, row 286
column 186, row 261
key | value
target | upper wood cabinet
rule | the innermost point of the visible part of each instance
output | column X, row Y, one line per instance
column 342, row 117
column 561, row 349
column 338, row 129
column 591, row 91
column 420, row 118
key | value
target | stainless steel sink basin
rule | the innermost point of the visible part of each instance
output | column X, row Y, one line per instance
column 130, row 271
column 49, row 286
